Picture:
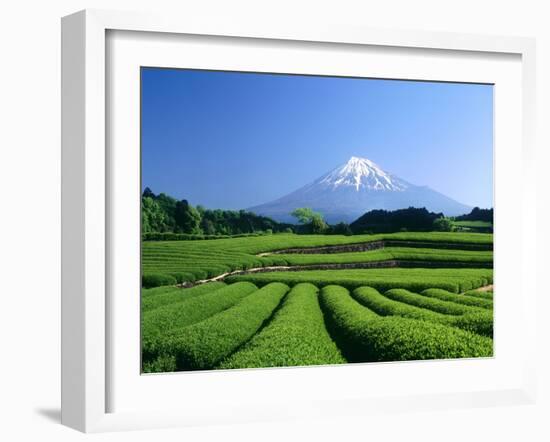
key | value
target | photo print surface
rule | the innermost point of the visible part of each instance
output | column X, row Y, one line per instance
column 299, row 220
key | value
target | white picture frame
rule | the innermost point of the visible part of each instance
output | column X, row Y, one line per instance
column 87, row 208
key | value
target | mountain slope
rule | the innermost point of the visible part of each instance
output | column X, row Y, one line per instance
column 354, row 188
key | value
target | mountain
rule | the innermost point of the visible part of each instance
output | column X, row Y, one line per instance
column 354, row 188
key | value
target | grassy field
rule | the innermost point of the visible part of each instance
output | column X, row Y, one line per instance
column 297, row 317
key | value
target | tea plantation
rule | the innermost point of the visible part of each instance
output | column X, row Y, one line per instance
column 296, row 300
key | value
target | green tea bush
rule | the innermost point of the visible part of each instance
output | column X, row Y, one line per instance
column 480, row 322
column 478, row 294
column 205, row 344
column 425, row 302
column 149, row 280
column 414, row 279
column 458, row 299
column 477, row 321
column 162, row 364
column 181, row 277
column 383, row 306
column 172, row 295
column 296, row 336
column 364, row 336
column 466, row 258
column 327, row 277
column 157, row 324
column 148, row 293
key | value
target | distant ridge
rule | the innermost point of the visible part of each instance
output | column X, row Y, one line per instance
column 350, row 190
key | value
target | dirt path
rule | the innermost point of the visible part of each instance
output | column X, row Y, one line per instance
column 487, row 288
column 236, row 272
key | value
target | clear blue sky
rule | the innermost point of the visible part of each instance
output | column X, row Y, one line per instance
column 234, row 140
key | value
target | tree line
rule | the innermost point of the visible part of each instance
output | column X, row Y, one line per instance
column 477, row 214
column 163, row 214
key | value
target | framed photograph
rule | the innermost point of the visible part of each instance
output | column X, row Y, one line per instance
column 263, row 222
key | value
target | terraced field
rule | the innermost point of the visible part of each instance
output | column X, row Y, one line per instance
column 172, row 262
column 294, row 300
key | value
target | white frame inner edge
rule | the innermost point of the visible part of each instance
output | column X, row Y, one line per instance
column 91, row 377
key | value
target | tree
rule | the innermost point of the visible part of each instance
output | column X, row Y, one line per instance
column 313, row 220
column 477, row 214
column 341, row 229
column 443, row 224
column 187, row 218
column 159, row 213
column 168, row 206
column 318, row 224
column 208, row 227
column 379, row 220
column 303, row 214
column 148, row 193
column 152, row 216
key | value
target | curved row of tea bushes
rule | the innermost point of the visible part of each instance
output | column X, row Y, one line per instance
column 189, row 261
column 149, row 293
column 391, row 253
column 295, row 336
column 160, row 364
column 372, row 299
column 160, row 296
column 363, row 336
column 425, row 302
column 479, row 294
column 471, row 301
column 150, row 280
column 157, row 324
column 414, row 279
column 478, row 321
column 205, row 344
column 329, row 277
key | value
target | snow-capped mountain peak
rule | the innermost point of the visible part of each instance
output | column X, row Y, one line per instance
column 362, row 173
column 354, row 188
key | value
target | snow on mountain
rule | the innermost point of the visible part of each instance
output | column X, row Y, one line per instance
column 356, row 187
column 362, row 173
